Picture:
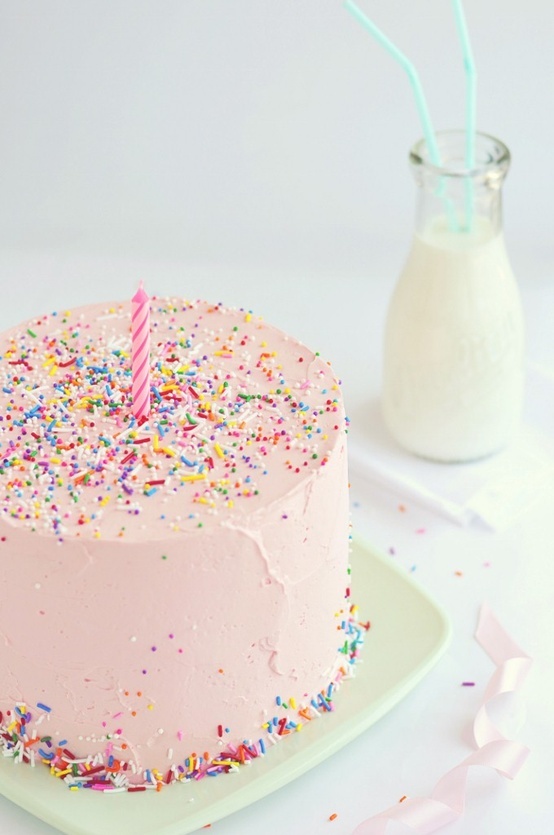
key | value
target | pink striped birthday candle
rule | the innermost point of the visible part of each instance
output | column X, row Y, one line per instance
column 140, row 330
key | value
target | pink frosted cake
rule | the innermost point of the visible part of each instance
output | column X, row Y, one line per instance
column 173, row 591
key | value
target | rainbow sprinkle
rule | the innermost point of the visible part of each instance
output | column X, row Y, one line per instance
column 221, row 407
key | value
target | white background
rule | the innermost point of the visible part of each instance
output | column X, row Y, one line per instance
column 255, row 132
column 254, row 152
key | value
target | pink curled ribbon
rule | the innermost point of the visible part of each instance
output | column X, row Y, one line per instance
column 446, row 803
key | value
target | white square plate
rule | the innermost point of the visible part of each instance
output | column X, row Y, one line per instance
column 408, row 634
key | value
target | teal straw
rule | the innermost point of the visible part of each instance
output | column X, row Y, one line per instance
column 471, row 81
column 407, row 65
column 471, row 97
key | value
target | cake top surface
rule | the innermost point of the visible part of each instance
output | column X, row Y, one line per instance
column 241, row 414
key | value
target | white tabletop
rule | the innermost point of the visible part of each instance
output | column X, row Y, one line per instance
column 408, row 750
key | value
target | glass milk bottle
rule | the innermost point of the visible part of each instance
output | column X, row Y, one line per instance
column 453, row 353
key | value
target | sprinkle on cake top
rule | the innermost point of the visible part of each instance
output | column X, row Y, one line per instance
column 240, row 414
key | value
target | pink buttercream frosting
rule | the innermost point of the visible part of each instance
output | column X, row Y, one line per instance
column 164, row 582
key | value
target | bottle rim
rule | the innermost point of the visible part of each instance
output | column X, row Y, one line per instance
column 491, row 155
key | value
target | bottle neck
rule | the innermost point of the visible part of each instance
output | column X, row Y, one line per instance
column 460, row 203
column 460, row 211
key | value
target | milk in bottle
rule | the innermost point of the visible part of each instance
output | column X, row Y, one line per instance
column 453, row 353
